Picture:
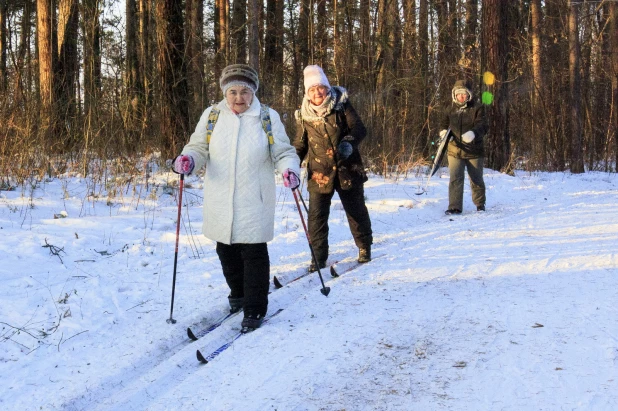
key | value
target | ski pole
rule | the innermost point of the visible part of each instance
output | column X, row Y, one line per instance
column 304, row 205
column 325, row 290
column 180, row 188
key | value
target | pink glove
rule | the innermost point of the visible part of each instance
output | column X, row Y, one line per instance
column 290, row 179
column 183, row 164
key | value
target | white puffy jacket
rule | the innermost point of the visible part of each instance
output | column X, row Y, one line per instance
column 239, row 183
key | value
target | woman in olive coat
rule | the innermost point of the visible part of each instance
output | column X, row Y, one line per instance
column 329, row 132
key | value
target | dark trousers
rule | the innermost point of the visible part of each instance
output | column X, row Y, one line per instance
column 353, row 201
column 456, row 167
column 246, row 268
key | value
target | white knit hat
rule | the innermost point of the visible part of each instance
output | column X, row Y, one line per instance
column 314, row 76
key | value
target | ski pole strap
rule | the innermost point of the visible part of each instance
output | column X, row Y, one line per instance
column 266, row 124
column 212, row 121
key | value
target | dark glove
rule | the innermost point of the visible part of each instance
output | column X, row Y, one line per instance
column 345, row 150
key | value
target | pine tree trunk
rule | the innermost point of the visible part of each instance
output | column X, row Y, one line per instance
column 540, row 143
column 238, row 29
column 423, row 46
column 613, row 41
column 320, row 36
column 194, row 36
column 273, row 52
column 47, row 41
column 496, row 44
column 577, row 160
column 174, row 116
column 3, row 45
column 133, row 82
column 145, row 59
column 254, row 34
column 470, row 42
column 92, row 67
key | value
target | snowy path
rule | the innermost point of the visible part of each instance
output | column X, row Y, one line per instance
column 515, row 308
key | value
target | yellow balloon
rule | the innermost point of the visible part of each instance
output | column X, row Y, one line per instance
column 488, row 78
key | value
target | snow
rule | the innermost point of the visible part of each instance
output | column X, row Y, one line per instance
column 515, row 308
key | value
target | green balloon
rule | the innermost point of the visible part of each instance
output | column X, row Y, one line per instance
column 487, row 98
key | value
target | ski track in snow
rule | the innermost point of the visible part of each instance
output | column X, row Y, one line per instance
column 498, row 310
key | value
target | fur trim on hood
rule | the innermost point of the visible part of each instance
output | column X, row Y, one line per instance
column 460, row 87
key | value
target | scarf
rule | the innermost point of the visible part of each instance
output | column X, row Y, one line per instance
column 335, row 99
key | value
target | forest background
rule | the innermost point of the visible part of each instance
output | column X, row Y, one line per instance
column 114, row 86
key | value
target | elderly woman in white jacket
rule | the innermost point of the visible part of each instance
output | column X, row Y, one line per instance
column 239, row 186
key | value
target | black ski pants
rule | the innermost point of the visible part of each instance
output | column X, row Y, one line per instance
column 353, row 201
column 246, row 268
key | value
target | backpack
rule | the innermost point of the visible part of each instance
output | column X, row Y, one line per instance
column 264, row 116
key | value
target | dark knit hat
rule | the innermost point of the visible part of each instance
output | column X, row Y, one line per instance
column 239, row 75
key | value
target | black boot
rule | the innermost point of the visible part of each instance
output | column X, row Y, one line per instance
column 251, row 322
column 236, row 303
column 364, row 254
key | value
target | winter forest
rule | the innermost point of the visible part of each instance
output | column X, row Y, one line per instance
column 100, row 84
column 510, row 308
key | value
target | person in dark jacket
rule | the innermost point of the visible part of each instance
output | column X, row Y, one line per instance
column 466, row 119
column 329, row 132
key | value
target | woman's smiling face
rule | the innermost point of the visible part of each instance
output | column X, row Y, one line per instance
column 317, row 94
column 239, row 98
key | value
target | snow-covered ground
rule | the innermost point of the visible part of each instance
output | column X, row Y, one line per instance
column 515, row 308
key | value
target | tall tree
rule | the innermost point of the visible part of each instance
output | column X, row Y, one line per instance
column 23, row 66
column 174, row 115
column 273, row 52
column 47, row 40
column 409, row 30
column 320, row 36
column 194, row 35
column 366, row 56
column 423, row 45
column 613, row 129
column 92, row 65
column 539, row 149
column 496, row 47
column 221, row 35
column 133, row 81
column 254, row 34
column 301, row 53
column 535, row 29
column 577, row 158
column 145, row 58
column 3, row 45
column 470, row 39
column 238, row 30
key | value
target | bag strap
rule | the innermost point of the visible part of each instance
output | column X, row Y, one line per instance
column 212, row 121
column 266, row 124
column 213, row 116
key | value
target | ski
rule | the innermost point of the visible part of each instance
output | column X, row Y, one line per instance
column 278, row 283
column 206, row 359
column 354, row 266
column 204, row 331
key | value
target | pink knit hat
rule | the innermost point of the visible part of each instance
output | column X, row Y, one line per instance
column 314, row 76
